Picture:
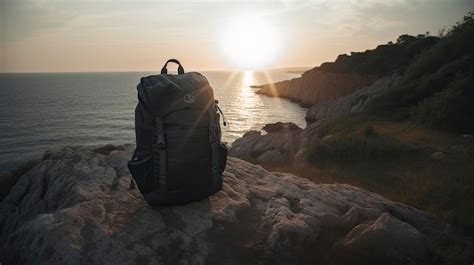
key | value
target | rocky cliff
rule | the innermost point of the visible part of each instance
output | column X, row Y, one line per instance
column 352, row 103
column 75, row 207
column 350, row 72
column 316, row 86
column 280, row 146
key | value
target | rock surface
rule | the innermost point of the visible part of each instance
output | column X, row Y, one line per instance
column 75, row 208
column 316, row 86
column 278, row 145
column 290, row 145
column 351, row 103
column 273, row 147
column 280, row 126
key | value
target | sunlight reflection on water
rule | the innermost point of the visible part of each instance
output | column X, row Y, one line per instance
column 40, row 111
column 246, row 110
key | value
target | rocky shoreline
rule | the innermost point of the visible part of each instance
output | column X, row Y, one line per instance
column 316, row 86
column 289, row 146
column 75, row 207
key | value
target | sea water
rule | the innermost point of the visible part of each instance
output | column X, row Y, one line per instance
column 39, row 111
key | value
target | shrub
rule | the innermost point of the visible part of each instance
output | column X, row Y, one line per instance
column 348, row 124
column 355, row 148
column 452, row 108
column 431, row 72
column 369, row 131
column 384, row 59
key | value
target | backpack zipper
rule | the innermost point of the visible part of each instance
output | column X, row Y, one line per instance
column 224, row 120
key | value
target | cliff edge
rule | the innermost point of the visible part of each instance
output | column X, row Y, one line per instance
column 316, row 86
column 349, row 73
column 75, row 207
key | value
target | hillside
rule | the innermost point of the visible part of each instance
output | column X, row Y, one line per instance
column 437, row 88
column 385, row 59
column 407, row 135
column 349, row 73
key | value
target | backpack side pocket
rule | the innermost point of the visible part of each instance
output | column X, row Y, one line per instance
column 142, row 173
column 222, row 156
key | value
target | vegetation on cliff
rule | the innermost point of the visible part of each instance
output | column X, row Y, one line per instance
column 437, row 87
column 408, row 163
column 385, row 59
column 396, row 159
column 409, row 145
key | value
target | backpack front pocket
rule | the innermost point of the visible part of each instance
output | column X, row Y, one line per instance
column 189, row 159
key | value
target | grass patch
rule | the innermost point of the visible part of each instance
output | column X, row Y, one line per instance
column 369, row 131
column 394, row 160
column 349, row 149
column 355, row 139
column 436, row 88
column 7, row 180
column 450, row 109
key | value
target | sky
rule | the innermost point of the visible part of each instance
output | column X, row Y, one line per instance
column 111, row 35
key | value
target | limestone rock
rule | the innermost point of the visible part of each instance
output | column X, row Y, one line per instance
column 273, row 157
column 75, row 207
column 316, row 86
column 280, row 126
column 385, row 240
column 351, row 103
column 277, row 146
column 290, row 141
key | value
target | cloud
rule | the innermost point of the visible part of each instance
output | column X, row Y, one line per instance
column 312, row 30
column 22, row 18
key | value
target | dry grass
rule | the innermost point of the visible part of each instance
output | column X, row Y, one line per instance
column 394, row 160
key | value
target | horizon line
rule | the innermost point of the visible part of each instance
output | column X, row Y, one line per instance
column 289, row 68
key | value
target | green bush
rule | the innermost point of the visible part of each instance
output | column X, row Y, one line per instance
column 344, row 125
column 384, row 59
column 458, row 43
column 431, row 72
column 355, row 148
column 451, row 108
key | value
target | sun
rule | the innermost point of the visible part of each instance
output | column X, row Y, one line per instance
column 249, row 42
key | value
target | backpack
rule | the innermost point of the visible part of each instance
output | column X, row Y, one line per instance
column 179, row 157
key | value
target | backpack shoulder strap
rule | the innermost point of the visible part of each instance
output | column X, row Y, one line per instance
column 214, row 141
column 159, row 156
column 159, row 147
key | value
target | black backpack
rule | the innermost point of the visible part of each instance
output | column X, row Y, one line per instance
column 179, row 156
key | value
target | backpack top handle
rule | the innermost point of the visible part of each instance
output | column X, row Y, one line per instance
column 180, row 67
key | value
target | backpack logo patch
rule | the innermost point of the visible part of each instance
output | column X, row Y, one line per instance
column 189, row 98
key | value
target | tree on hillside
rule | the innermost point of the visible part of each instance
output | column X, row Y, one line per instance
column 436, row 88
column 405, row 38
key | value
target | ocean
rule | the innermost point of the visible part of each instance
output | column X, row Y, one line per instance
column 39, row 111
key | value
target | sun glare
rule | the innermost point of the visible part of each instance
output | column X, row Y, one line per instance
column 250, row 42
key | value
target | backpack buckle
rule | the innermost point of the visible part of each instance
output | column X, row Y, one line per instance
column 162, row 184
column 161, row 142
